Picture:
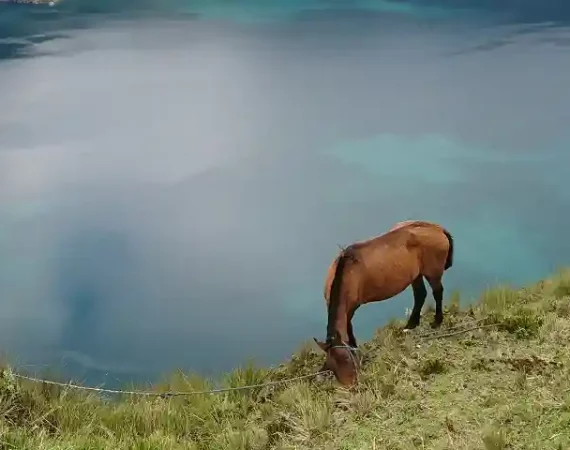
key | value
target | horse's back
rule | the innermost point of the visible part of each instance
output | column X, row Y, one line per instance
column 417, row 225
column 384, row 260
column 407, row 249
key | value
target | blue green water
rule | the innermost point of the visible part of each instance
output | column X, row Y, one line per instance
column 175, row 176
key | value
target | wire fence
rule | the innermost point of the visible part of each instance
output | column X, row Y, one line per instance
column 168, row 393
column 453, row 331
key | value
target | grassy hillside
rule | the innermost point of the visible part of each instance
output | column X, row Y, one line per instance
column 504, row 386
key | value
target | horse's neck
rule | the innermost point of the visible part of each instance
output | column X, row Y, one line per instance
column 340, row 323
column 343, row 333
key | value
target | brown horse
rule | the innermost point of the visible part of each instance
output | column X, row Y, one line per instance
column 378, row 269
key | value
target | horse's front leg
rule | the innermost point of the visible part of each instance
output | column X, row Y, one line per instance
column 420, row 294
column 351, row 338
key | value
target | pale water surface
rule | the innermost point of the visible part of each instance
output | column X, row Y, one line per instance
column 175, row 176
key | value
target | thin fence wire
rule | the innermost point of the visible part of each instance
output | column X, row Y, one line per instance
column 455, row 333
column 452, row 331
column 425, row 337
column 168, row 393
column 438, row 331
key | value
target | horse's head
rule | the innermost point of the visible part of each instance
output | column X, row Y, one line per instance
column 341, row 360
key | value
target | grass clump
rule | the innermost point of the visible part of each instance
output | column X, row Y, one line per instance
column 504, row 386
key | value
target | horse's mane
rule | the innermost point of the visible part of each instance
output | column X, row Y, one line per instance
column 347, row 254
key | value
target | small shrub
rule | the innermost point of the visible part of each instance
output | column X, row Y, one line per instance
column 481, row 365
column 563, row 309
column 305, row 415
column 561, row 284
column 249, row 438
column 246, row 376
column 494, row 439
column 450, row 424
column 524, row 323
column 432, row 366
column 562, row 289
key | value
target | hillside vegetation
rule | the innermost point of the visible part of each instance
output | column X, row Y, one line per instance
column 505, row 385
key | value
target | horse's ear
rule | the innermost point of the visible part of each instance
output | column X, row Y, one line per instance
column 322, row 345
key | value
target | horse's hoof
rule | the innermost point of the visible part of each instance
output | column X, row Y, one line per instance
column 409, row 327
column 435, row 325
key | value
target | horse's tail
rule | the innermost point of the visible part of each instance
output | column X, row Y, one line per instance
column 449, row 260
column 336, row 286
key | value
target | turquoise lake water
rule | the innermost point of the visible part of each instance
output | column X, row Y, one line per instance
column 175, row 177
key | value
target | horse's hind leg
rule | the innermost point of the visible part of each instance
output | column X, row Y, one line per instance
column 437, row 290
column 420, row 294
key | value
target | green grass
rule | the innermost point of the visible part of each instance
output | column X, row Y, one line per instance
column 505, row 386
